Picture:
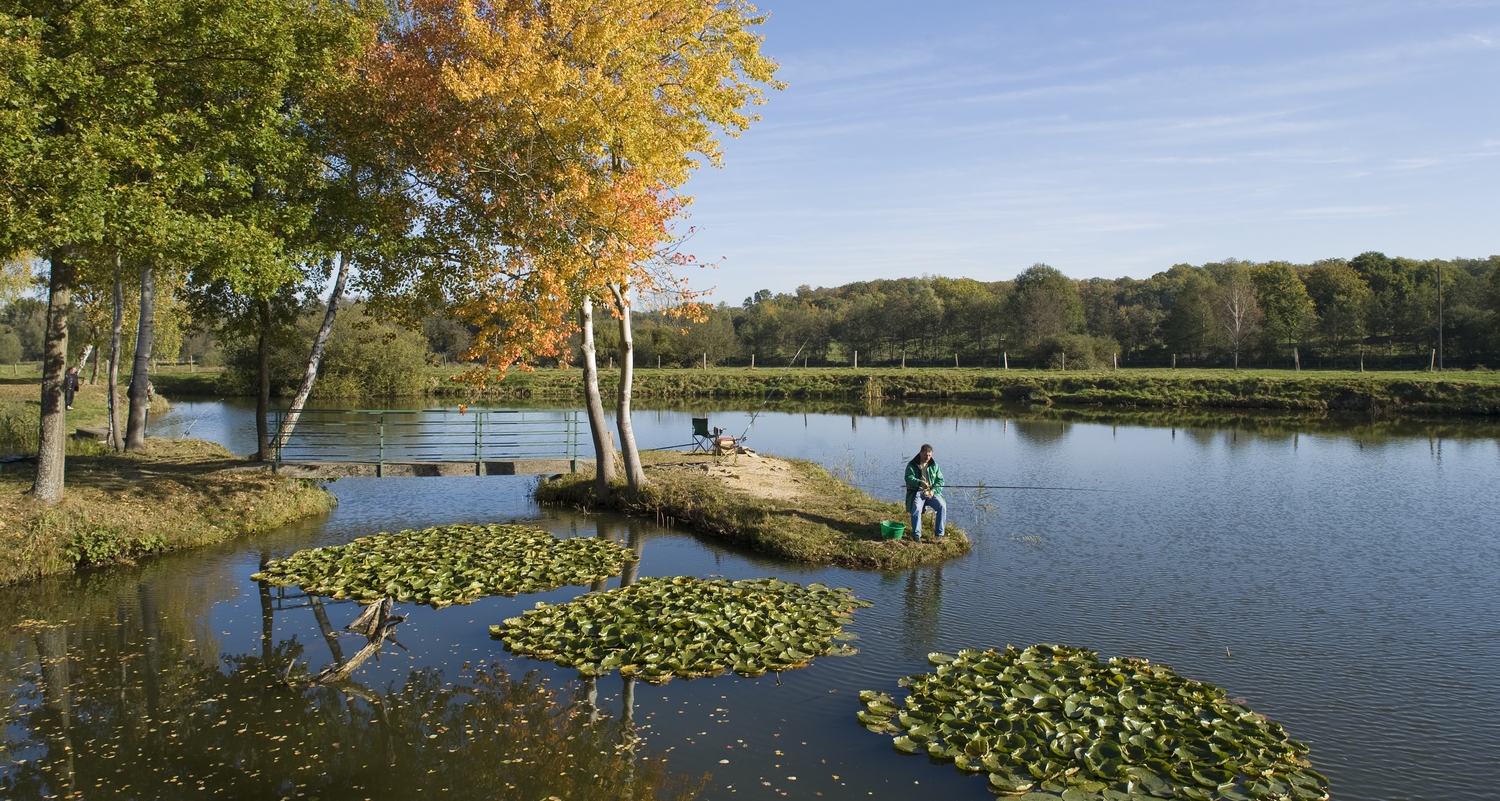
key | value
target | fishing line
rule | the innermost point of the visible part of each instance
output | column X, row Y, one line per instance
column 1051, row 489
column 779, row 382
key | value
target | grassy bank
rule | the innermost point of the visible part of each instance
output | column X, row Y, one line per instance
column 1465, row 393
column 21, row 404
column 787, row 508
column 175, row 494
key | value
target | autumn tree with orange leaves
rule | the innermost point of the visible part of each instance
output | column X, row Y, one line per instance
column 549, row 141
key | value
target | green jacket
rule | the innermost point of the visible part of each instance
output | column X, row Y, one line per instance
column 914, row 476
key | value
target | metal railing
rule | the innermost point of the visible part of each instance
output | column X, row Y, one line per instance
column 427, row 436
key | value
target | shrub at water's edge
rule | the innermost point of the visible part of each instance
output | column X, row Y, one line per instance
column 831, row 523
column 177, row 494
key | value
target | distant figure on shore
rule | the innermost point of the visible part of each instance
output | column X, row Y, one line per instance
column 70, row 386
column 924, row 490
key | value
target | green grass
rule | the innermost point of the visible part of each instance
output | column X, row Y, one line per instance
column 176, row 494
column 21, row 403
column 1454, row 392
column 833, row 523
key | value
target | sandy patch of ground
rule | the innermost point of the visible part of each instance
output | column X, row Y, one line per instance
column 761, row 476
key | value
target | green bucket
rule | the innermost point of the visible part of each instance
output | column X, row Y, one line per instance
column 891, row 530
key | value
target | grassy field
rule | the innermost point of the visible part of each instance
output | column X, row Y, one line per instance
column 1462, row 392
column 826, row 522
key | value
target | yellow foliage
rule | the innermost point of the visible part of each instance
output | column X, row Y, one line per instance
column 553, row 138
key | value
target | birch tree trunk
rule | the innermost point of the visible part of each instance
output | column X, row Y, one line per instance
column 293, row 412
column 83, row 360
column 52, row 442
column 604, row 447
column 116, row 327
column 140, row 397
column 263, row 392
column 635, row 477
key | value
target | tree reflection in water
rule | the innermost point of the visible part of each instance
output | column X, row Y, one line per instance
column 99, row 722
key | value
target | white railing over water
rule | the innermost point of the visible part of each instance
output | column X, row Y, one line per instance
column 433, row 436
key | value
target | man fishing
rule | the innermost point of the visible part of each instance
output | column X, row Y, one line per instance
column 924, row 490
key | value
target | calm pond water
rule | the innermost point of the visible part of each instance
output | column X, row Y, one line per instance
column 1344, row 579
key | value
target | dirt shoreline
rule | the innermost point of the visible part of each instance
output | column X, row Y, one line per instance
column 789, row 508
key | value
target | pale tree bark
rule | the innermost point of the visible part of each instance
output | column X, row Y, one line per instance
column 116, row 327
column 1239, row 315
column 140, row 378
column 52, row 439
column 604, row 447
column 294, row 411
column 263, row 391
column 635, row 476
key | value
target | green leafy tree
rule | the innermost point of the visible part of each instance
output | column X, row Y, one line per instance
column 10, row 347
column 1045, row 304
column 127, row 128
column 1342, row 300
column 1283, row 299
column 1191, row 326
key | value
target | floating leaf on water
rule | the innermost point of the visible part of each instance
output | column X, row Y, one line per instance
column 1051, row 722
column 694, row 627
column 455, row 564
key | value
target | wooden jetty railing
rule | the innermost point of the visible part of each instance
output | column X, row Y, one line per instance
column 328, row 443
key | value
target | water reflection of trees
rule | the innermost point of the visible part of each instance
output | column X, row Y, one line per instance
column 128, row 710
column 1268, row 423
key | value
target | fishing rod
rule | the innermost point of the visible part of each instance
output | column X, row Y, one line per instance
column 767, row 399
column 1050, row 489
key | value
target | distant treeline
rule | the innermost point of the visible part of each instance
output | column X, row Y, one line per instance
column 1330, row 312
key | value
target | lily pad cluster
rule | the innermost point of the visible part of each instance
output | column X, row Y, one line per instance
column 687, row 627
column 1052, row 721
column 455, row 564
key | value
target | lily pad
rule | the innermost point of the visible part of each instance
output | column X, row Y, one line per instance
column 685, row 627
column 1055, row 722
column 455, row 564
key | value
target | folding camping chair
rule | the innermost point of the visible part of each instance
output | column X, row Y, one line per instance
column 713, row 441
column 703, row 439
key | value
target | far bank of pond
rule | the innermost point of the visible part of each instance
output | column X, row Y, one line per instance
column 787, row 508
column 1384, row 394
column 1451, row 393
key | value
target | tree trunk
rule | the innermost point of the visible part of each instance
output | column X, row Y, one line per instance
column 52, row 439
column 293, row 412
column 83, row 361
column 140, row 397
column 635, row 477
column 604, row 448
column 116, row 327
column 263, row 393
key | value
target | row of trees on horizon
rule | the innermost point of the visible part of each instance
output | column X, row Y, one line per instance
column 1333, row 311
column 1373, row 309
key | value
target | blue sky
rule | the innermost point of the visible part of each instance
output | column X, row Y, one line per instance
column 973, row 138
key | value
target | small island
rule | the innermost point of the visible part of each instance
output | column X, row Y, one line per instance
column 788, row 508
